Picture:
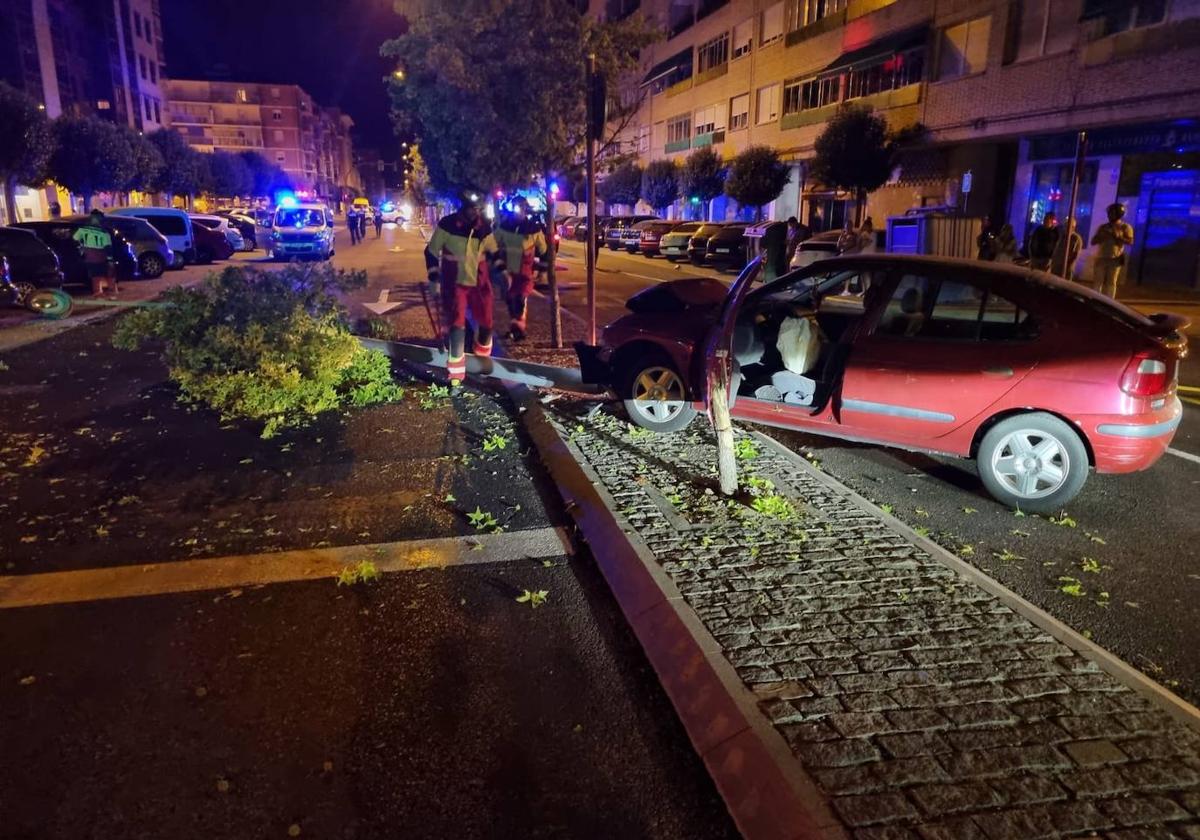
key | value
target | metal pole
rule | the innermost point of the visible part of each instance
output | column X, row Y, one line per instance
column 591, row 208
column 1076, row 173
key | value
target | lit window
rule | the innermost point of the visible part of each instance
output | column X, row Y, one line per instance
column 739, row 112
column 962, row 49
column 743, row 37
column 801, row 13
column 241, row 95
column 103, row 105
column 771, row 26
column 893, row 72
column 766, row 106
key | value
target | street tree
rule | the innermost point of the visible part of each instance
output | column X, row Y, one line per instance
column 90, row 156
column 623, row 185
column 496, row 91
column 855, row 152
column 182, row 170
column 265, row 177
column 660, row 184
column 147, row 162
column 230, row 175
column 25, row 144
column 702, row 177
column 756, row 177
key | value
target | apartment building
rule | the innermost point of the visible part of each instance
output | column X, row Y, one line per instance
column 281, row 122
column 1001, row 87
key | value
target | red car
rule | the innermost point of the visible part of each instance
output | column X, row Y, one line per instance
column 210, row 244
column 1035, row 378
column 650, row 236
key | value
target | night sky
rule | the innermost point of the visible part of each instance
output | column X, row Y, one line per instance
column 329, row 48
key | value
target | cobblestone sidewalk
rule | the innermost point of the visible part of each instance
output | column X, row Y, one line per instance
column 920, row 704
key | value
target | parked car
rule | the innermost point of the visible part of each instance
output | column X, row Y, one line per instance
column 172, row 223
column 154, row 254
column 567, row 229
column 59, row 235
column 245, row 225
column 30, row 264
column 305, row 230
column 1035, row 378
column 631, row 236
column 726, row 248
column 674, row 244
column 602, row 223
column 615, row 233
column 222, row 226
column 820, row 246
column 649, row 236
column 211, row 244
column 698, row 244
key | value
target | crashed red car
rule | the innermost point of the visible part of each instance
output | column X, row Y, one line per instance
column 1035, row 378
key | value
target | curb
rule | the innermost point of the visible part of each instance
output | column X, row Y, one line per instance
column 765, row 789
column 1119, row 669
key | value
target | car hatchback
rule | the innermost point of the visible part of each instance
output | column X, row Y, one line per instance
column 1037, row 379
column 674, row 244
column 698, row 244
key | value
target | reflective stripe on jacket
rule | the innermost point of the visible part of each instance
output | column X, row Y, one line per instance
column 461, row 251
column 521, row 243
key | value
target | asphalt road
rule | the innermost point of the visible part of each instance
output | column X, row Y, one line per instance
column 1134, row 537
column 429, row 703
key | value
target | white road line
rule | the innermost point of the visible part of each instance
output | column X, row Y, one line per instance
column 646, row 277
column 275, row 567
column 1187, row 456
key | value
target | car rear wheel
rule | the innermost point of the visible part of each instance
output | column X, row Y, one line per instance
column 151, row 265
column 655, row 396
column 25, row 291
column 1034, row 462
column 204, row 256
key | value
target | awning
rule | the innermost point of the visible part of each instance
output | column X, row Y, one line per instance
column 883, row 47
column 683, row 58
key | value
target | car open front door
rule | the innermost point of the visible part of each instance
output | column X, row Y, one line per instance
column 720, row 338
column 941, row 352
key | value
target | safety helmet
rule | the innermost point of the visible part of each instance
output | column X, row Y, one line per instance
column 1115, row 209
column 468, row 198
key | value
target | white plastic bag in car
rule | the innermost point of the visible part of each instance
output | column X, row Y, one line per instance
column 799, row 344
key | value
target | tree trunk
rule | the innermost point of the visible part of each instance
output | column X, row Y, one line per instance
column 718, row 407
column 10, row 199
column 551, row 274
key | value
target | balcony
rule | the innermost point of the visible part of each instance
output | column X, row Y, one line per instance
column 898, row 98
column 708, row 139
column 817, row 27
column 678, row 146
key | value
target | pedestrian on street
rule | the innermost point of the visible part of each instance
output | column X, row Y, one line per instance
column 362, row 224
column 797, row 232
column 352, row 223
column 459, row 257
column 378, row 223
column 1043, row 241
column 96, row 243
column 522, row 242
column 1006, row 244
column 866, row 237
column 56, row 210
column 1110, row 240
column 1067, row 251
column 985, row 243
column 848, row 242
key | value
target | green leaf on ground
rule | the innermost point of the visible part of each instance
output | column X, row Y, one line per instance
column 966, row 550
column 1064, row 521
column 1096, row 538
column 449, row 498
column 1007, row 556
column 364, row 572
column 887, row 509
column 1071, row 586
column 744, row 449
column 1018, row 512
column 922, row 530
column 921, row 512
column 494, row 442
column 1090, row 565
column 1017, row 532
column 481, row 519
column 534, row 599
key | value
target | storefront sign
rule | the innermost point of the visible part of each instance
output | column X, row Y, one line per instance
column 1124, row 140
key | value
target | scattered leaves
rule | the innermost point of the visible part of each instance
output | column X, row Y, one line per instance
column 364, row 572
column 534, row 599
column 1071, row 586
column 494, row 442
column 1064, row 521
column 970, row 510
column 744, row 449
column 481, row 519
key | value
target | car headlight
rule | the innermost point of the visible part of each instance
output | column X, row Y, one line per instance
column 275, row 236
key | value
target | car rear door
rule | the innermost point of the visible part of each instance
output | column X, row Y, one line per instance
column 942, row 350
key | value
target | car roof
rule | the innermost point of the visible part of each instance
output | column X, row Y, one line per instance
column 208, row 216
column 132, row 211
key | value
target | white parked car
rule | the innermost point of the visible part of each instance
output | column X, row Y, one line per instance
column 219, row 223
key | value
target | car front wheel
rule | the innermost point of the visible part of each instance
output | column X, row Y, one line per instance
column 655, row 396
column 1034, row 462
column 151, row 266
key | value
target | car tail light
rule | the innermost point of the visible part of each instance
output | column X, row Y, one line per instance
column 1146, row 375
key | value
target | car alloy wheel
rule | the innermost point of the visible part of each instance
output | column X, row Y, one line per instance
column 656, row 397
column 25, row 291
column 151, row 266
column 1034, row 461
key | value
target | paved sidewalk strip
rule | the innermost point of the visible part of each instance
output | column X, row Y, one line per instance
column 276, row 567
column 920, row 703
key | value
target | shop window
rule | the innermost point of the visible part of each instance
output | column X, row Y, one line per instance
column 1050, row 192
column 743, row 37
column 963, row 49
column 679, row 129
column 712, row 54
column 739, row 112
column 1113, row 17
column 766, row 108
column 1044, row 27
column 771, row 24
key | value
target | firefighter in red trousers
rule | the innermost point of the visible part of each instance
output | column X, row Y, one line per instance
column 459, row 257
column 523, row 242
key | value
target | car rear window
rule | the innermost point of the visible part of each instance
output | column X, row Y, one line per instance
column 167, row 225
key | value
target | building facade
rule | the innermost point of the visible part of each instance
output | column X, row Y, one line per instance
column 1001, row 89
column 281, row 122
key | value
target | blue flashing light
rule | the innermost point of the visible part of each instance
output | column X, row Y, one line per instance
column 287, row 201
column 387, row 207
column 554, row 188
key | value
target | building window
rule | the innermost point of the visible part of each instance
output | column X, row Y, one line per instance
column 1044, row 28
column 962, row 49
column 896, row 71
column 739, row 112
column 103, row 105
column 620, row 9
column 770, row 26
column 766, row 106
column 801, row 13
column 142, row 66
column 710, row 119
column 274, row 93
column 712, row 54
column 806, row 94
column 137, row 24
column 278, row 134
column 680, row 15
column 277, row 115
column 280, row 157
column 153, row 73
column 1111, row 18
column 679, row 129
column 643, row 139
column 157, row 112
column 146, row 107
column 241, row 96
column 743, row 37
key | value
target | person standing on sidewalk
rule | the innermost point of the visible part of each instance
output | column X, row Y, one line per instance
column 523, row 243
column 1110, row 240
column 1067, row 251
column 352, row 223
column 985, row 243
column 1006, row 244
column 459, row 257
column 378, row 223
column 97, row 246
column 362, row 224
column 1043, row 241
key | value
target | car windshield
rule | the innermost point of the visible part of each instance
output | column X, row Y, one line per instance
column 299, row 217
